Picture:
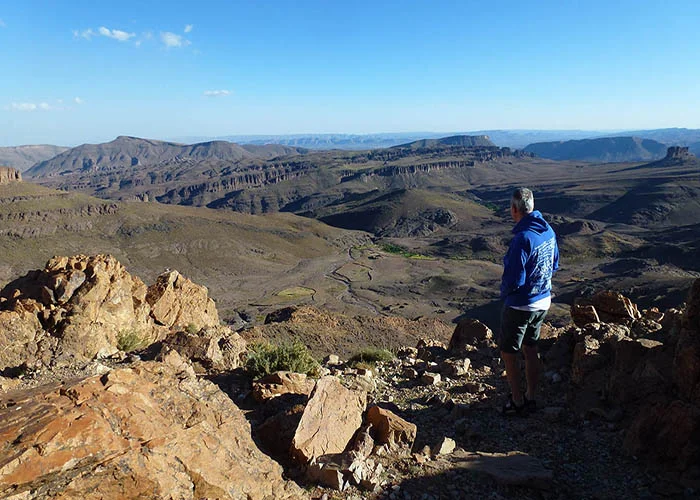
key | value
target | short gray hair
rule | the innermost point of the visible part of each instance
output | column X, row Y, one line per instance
column 523, row 200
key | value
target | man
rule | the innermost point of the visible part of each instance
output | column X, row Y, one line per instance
column 526, row 288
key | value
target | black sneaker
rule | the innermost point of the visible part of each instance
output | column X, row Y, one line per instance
column 510, row 409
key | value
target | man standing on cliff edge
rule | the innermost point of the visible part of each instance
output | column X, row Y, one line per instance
column 526, row 288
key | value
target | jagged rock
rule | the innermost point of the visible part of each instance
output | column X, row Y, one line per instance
column 89, row 303
column 613, row 307
column 20, row 332
column 276, row 433
column 149, row 431
column 176, row 302
column 216, row 349
column 363, row 444
column 641, row 369
column 8, row 175
column 331, row 418
column 332, row 360
column 361, row 383
column 282, row 382
column 560, row 355
column 514, row 468
column 470, row 332
column 455, row 368
column 390, row 429
column 430, row 349
column 644, row 327
column 407, row 352
column 583, row 315
column 653, row 314
column 444, row 447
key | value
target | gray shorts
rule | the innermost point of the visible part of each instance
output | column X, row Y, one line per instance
column 519, row 327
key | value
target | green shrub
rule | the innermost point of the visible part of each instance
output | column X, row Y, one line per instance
column 192, row 329
column 264, row 358
column 130, row 340
column 369, row 357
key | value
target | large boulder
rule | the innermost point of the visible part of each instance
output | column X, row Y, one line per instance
column 390, row 429
column 176, row 302
column 149, row 431
column 282, row 382
column 20, row 333
column 613, row 307
column 470, row 332
column 583, row 314
column 330, row 420
column 89, row 303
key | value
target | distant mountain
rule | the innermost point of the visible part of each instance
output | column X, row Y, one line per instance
column 606, row 149
column 466, row 141
column 669, row 136
column 23, row 157
column 129, row 152
column 695, row 148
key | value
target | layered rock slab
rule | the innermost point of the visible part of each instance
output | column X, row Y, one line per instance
column 152, row 430
column 330, row 420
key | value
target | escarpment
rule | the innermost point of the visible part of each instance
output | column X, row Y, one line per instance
column 8, row 175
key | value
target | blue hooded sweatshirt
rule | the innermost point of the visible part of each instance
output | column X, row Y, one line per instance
column 532, row 257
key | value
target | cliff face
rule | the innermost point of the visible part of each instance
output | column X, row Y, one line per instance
column 8, row 175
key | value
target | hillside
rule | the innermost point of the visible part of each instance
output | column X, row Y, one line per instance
column 603, row 150
column 125, row 153
column 469, row 141
column 23, row 157
column 241, row 258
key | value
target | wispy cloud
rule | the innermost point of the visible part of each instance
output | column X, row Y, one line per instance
column 173, row 40
column 86, row 34
column 216, row 93
column 188, row 28
column 23, row 106
column 120, row 35
column 78, row 100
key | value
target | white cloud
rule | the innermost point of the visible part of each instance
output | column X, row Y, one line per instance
column 45, row 106
column 173, row 40
column 78, row 100
column 120, row 35
column 23, row 106
column 216, row 93
column 86, row 34
column 188, row 28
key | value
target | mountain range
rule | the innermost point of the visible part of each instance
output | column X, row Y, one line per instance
column 605, row 149
column 23, row 157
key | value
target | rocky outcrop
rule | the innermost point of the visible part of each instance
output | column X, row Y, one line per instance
column 279, row 383
column 390, row 429
column 177, row 302
column 212, row 350
column 8, row 175
column 20, row 336
column 330, row 420
column 470, row 332
column 149, row 431
column 92, row 307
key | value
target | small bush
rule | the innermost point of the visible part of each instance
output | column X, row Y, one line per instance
column 130, row 340
column 370, row 356
column 264, row 358
column 192, row 329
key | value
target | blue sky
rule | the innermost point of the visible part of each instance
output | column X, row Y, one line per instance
column 86, row 71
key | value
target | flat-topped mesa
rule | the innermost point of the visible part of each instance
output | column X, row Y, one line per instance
column 678, row 153
column 8, row 175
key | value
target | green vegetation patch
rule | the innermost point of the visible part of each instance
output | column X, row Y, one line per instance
column 296, row 291
column 264, row 359
column 130, row 340
column 370, row 356
column 404, row 252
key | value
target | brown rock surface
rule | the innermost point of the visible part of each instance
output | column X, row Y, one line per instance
column 514, row 468
column 216, row 349
column 20, row 332
column 177, row 302
column 686, row 365
column 583, row 315
column 149, row 431
column 613, row 307
column 8, row 175
column 331, row 418
column 86, row 302
column 391, row 429
column 279, row 383
column 469, row 332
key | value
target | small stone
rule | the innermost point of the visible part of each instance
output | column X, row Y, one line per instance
column 445, row 447
column 366, row 372
column 430, row 378
column 556, row 378
column 331, row 360
column 409, row 373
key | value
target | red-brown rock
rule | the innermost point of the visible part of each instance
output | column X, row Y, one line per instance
column 583, row 315
column 613, row 307
column 390, row 429
column 470, row 332
column 279, row 383
column 330, row 419
column 150, row 431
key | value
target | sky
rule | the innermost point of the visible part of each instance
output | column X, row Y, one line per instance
column 87, row 71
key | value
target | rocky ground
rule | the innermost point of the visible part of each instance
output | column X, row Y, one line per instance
column 86, row 414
